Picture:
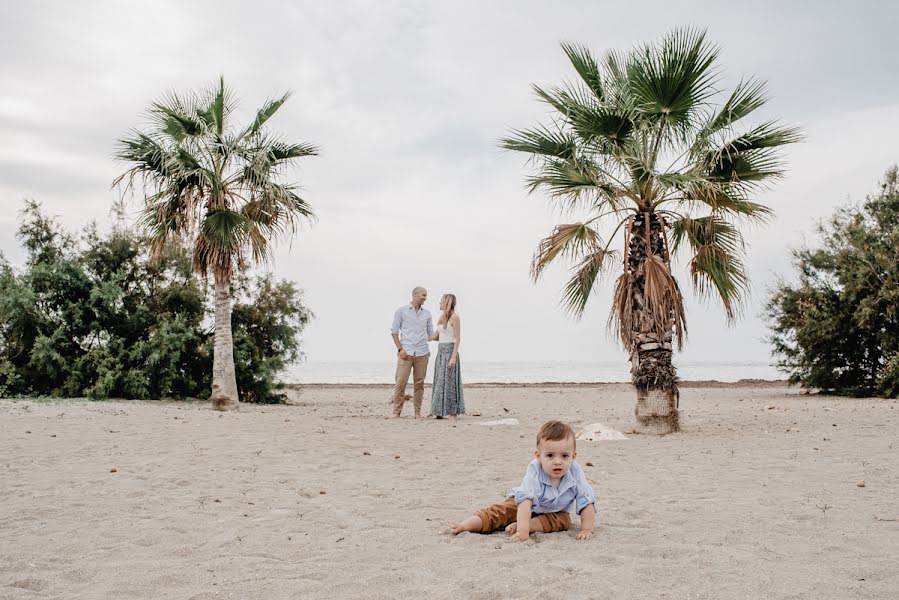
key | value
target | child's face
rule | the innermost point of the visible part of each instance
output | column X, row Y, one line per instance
column 556, row 456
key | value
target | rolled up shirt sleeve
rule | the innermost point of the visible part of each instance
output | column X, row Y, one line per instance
column 584, row 495
column 430, row 326
column 397, row 322
column 529, row 488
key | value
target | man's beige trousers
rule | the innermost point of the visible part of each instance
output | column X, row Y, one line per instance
column 418, row 367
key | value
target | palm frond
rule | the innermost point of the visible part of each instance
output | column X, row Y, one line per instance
column 219, row 107
column 610, row 125
column 179, row 125
column 148, row 156
column 576, row 184
column 671, row 79
column 716, row 266
column 223, row 234
column 751, row 156
column 720, row 196
column 580, row 286
column 556, row 98
column 562, row 178
column 541, row 141
column 265, row 113
column 585, row 65
column 621, row 317
column 748, row 96
column 283, row 152
column 662, row 298
column 571, row 240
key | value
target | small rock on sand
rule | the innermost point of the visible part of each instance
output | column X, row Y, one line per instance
column 860, row 484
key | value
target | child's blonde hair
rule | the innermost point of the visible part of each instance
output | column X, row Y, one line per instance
column 555, row 430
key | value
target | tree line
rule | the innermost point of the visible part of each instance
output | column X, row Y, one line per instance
column 102, row 316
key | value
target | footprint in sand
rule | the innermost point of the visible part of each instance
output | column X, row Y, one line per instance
column 30, row 583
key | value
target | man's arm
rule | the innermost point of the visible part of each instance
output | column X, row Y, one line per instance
column 399, row 347
column 395, row 334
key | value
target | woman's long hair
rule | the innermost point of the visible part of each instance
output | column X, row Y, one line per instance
column 448, row 306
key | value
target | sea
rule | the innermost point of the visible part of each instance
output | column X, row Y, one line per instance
column 527, row 372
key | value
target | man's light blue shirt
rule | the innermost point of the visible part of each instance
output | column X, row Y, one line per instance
column 414, row 327
column 537, row 487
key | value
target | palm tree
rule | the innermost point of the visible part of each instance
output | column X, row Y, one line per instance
column 640, row 144
column 217, row 189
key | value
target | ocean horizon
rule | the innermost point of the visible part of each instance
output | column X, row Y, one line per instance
column 527, row 372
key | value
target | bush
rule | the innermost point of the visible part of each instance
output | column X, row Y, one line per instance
column 96, row 317
column 837, row 329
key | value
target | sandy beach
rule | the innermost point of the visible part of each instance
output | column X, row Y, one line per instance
column 758, row 497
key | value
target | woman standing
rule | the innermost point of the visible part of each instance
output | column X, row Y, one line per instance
column 446, row 393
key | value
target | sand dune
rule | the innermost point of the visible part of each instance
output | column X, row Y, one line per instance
column 757, row 498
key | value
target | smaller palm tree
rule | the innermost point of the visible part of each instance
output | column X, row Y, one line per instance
column 216, row 189
column 640, row 145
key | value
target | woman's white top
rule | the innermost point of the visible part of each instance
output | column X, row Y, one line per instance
column 446, row 335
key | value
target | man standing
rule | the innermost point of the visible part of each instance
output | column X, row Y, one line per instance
column 412, row 327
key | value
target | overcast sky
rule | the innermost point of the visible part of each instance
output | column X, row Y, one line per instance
column 407, row 100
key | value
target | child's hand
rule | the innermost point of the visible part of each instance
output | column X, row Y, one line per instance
column 520, row 536
column 584, row 534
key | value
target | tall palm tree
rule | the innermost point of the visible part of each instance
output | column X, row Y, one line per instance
column 648, row 147
column 216, row 188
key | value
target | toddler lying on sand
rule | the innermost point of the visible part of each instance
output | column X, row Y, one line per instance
column 552, row 484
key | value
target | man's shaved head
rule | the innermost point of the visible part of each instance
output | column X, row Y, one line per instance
column 419, row 295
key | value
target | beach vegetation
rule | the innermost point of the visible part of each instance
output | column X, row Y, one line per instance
column 218, row 189
column 649, row 154
column 101, row 315
column 835, row 327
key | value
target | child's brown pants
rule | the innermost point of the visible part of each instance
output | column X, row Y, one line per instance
column 497, row 516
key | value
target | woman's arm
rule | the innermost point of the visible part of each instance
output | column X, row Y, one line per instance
column 456, row 324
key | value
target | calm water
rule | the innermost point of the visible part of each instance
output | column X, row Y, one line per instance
column 526, row 372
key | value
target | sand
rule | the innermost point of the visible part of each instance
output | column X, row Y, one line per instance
column 756, row 498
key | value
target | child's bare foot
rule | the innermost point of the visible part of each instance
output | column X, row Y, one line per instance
column 512, row 528
column 472, row 523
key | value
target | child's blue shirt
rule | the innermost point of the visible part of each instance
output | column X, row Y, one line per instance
column 573, row 490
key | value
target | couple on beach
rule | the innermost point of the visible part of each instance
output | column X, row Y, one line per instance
column 412, row 329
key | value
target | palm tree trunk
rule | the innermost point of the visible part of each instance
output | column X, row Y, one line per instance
column 652, row 372
column 224, row 381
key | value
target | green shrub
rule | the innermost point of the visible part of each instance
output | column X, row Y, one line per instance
column 837, row 328
column 94, row 316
